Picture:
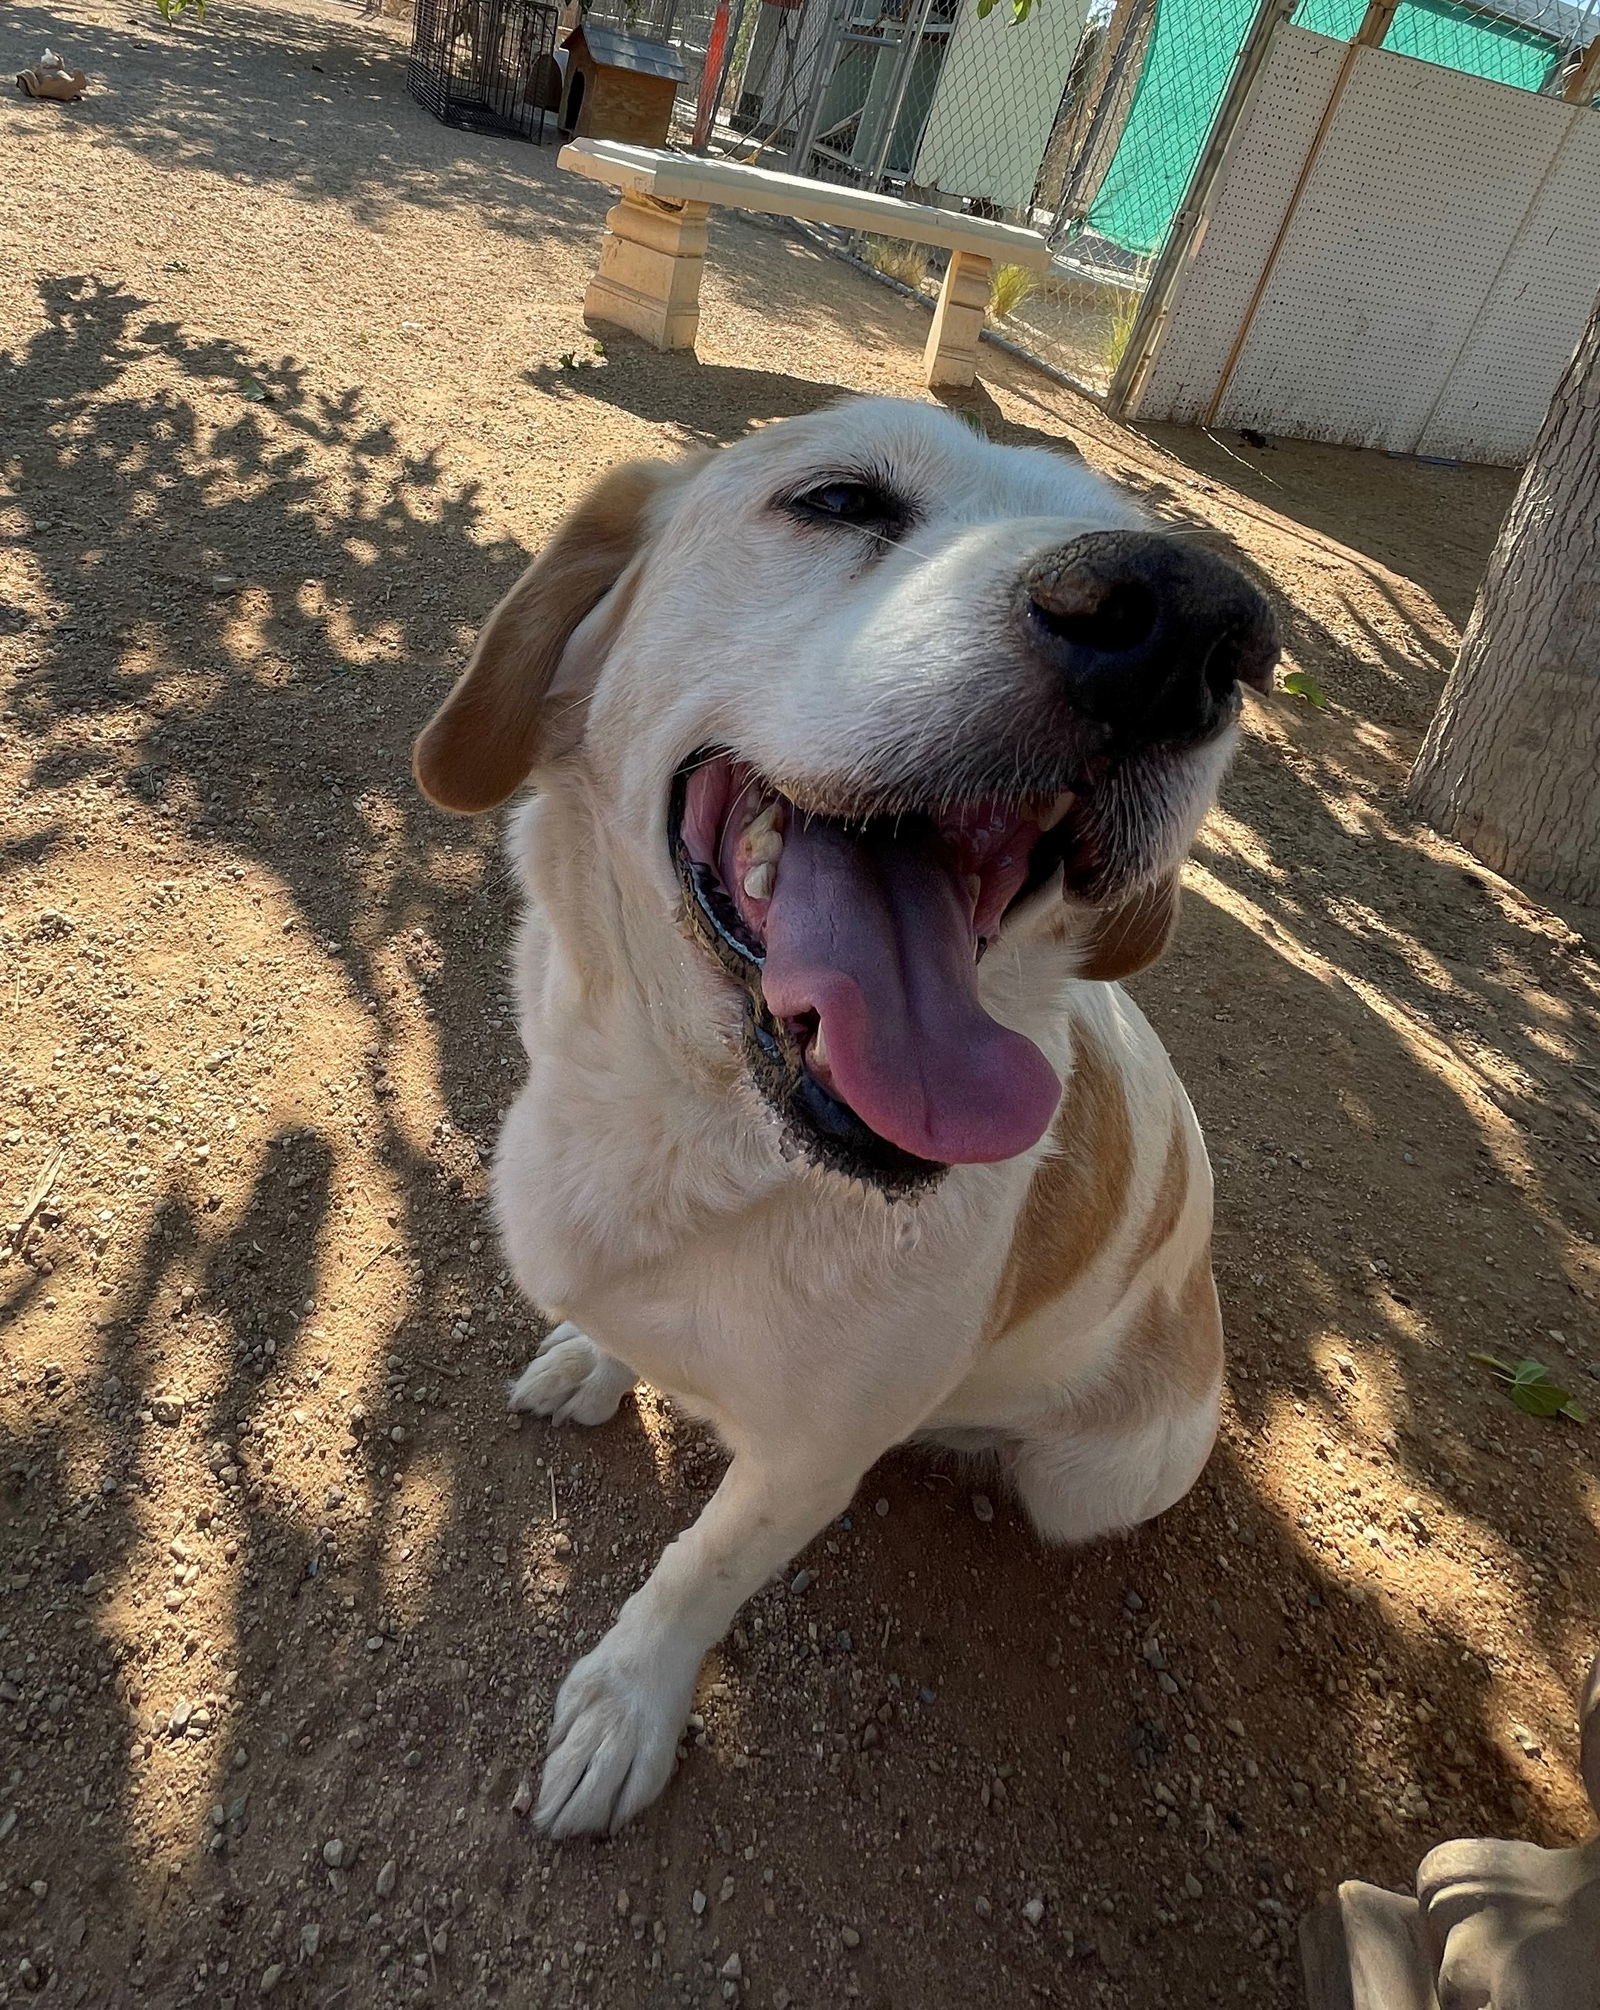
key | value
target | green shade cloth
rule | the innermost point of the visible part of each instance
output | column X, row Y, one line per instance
column 1191, row 56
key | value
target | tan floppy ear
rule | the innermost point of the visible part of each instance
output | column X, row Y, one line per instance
column 1130, row 934
column 496, row 725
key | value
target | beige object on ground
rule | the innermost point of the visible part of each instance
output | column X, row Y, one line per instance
column 653, row 251
column 52, row 79
column 1494, row 1926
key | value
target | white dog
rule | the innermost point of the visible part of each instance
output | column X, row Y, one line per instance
column 865, row 756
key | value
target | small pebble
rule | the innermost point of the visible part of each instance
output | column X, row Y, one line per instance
column 522, row 1800
column 850, row 1937
column 270, row 1978
column 333, row 1853
column 697, row 1903
column 983, row 1507
column 1033, row 1911
column 802, row 1581
column 386, row 1878
column 732, row 1968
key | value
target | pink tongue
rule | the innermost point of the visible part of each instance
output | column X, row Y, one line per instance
column 872, row 933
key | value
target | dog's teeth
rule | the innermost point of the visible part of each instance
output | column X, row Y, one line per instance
column 1056, row 811
column 818, row 1056
column 766, row 848
column 974, row 886
column 758, row 881
column 758, row 826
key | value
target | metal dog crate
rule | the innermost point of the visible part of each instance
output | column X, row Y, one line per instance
column 488, row 65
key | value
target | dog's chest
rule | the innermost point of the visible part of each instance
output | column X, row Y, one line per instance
column 681, row 1239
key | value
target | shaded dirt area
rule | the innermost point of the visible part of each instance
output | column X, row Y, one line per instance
column 284, row 1596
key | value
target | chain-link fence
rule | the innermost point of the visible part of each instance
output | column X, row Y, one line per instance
column 1086, row 119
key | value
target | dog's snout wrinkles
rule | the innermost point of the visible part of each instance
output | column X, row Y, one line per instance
column 1148, row 634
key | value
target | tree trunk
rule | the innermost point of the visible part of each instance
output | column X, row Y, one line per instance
column 1511, row 764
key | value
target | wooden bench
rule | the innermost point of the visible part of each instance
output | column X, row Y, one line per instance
column 654, row 248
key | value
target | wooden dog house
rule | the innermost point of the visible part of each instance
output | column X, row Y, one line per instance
column 619, row 87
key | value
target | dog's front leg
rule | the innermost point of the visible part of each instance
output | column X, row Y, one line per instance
column 622, row 1709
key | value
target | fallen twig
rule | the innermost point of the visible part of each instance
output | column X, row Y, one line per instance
column 34, row 1202
column 427, row 1937
column 376, row 1257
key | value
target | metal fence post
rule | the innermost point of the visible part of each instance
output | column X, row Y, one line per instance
column 709, row 102
column 905, row 62
column 824, row 61
column 1107, row 95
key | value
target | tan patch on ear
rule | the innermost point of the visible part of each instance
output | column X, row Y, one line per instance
column 1130, row 935
column 1078, row 1198
column 1166, row 1209
column 492, row 730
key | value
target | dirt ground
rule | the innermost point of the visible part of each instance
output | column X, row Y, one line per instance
column 288, row 393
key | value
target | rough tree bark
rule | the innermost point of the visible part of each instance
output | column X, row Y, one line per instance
column 1511, row 764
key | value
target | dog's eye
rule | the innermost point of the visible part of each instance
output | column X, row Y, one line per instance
column 857, row 504
column 850, row 502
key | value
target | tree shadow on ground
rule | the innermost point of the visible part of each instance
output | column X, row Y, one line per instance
column 318, row 619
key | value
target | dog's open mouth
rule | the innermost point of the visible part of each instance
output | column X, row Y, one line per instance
column 857, row 944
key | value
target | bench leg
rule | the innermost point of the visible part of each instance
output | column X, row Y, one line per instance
column 951, row 357
column 651, row 258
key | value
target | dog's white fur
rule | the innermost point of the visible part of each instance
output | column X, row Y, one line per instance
column 1057, row 1307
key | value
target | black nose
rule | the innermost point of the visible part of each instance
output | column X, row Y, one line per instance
column 1150, row 634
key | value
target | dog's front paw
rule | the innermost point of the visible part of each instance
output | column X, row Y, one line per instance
column 614, row 1741
column 571, row 1381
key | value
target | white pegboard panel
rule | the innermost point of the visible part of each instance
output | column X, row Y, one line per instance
column 1495, row 398
column 1224, row 263
column 1420, row 187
